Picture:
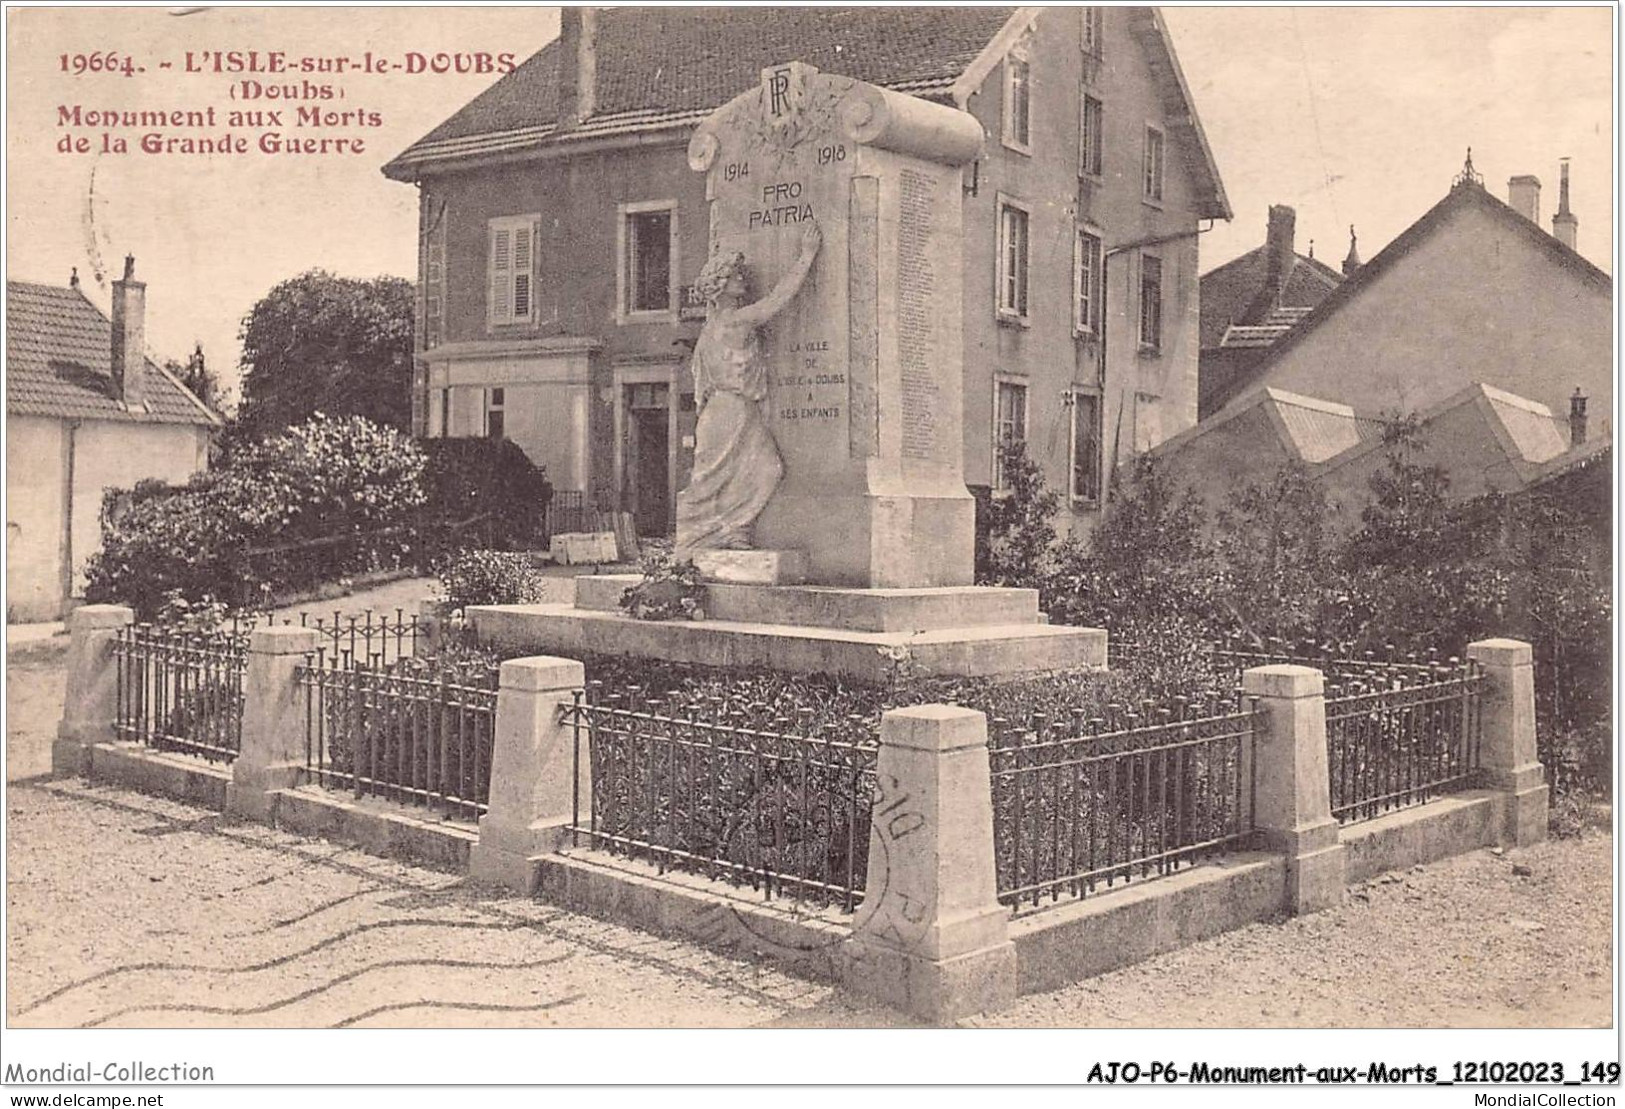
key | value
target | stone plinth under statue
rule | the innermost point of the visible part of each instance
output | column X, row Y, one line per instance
column 867, row 634
column 837, row 206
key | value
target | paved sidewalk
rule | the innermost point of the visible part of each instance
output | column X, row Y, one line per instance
column 133, row 911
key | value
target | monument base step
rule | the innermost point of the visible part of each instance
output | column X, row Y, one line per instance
column 996, row 650
column 821, row 606
column 751, row 567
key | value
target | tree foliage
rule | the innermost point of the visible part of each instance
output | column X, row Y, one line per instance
column 324, row 343
column 195, row 374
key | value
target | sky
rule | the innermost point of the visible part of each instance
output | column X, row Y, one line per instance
column 1353, row 116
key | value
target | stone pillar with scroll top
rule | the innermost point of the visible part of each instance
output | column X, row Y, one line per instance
column 865, row 365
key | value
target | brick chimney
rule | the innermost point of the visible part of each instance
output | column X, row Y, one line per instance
column 1278, row 250
column 578, row 65
column 1523, row 193
column 1577, row 418
column 129, row 337
column 1564, row 225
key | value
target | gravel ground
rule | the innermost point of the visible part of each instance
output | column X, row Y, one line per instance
column 133, row 911
column 1521, row 939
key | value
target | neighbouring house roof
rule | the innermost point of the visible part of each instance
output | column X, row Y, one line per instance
column 1460, row 198
column 1591, row 453
column 1230, row 291
column 1532, row 429
column 59, row 363
column 667, row 68
column 1309, row 429
column 1533, row 440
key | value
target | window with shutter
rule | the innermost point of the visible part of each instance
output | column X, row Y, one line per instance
column 512, row 270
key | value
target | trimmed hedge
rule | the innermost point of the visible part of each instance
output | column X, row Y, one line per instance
column 319, row 501
column 491, row 478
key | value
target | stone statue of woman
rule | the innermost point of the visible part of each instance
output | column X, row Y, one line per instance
column 736, row 463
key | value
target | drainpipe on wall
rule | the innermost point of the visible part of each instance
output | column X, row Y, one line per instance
column 69, row 448
column 1105, row 317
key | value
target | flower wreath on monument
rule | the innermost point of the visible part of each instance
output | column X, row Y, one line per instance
column 670, row 589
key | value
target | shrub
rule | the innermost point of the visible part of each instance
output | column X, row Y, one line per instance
column 471, row 478
column 479, row 577
column 1271, row 541
column 1020, row 527
column 1148, row 566
column 318, row 501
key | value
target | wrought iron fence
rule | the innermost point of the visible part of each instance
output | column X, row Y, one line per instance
column 370, row 639
column 182, row 690
column 1335, row 660
column 404, row 733
column 569, row 511
column 1080, row 802
column 1398, row 737
column 734, row 792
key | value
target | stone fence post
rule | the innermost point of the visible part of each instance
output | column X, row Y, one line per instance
column 931, row 937
column 1507, row 752
column 90, row 706
column 272, row 755
column 533, row 772
column 1293, row 811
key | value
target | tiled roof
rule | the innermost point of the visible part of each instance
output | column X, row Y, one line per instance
column 59, row 363
column 673, row 65
column 1230, row 291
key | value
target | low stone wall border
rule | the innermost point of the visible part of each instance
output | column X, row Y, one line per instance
column 178, row 777
column 735, row 921
column 376, row 827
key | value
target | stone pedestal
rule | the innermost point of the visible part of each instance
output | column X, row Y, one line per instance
column 534, row 772
column 752, row 567
column 867, row 634
column 1507, row 751
column 89, row 707
column 865, row 364
column 1293, row 808
column 931, row 937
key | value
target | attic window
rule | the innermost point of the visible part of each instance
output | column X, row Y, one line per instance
column 1094, row 31
column 1018, row 102
column 1153, row 165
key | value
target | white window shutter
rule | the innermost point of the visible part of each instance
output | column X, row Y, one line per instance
column 501, row 307
column 523, row 261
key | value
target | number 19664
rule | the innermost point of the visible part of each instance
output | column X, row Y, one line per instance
column 99, row 61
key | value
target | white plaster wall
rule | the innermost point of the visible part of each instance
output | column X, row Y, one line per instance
column 1476, row 301
column 34, row 518
column 118, row 455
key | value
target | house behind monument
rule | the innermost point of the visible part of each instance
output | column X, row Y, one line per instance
column 560, row 228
